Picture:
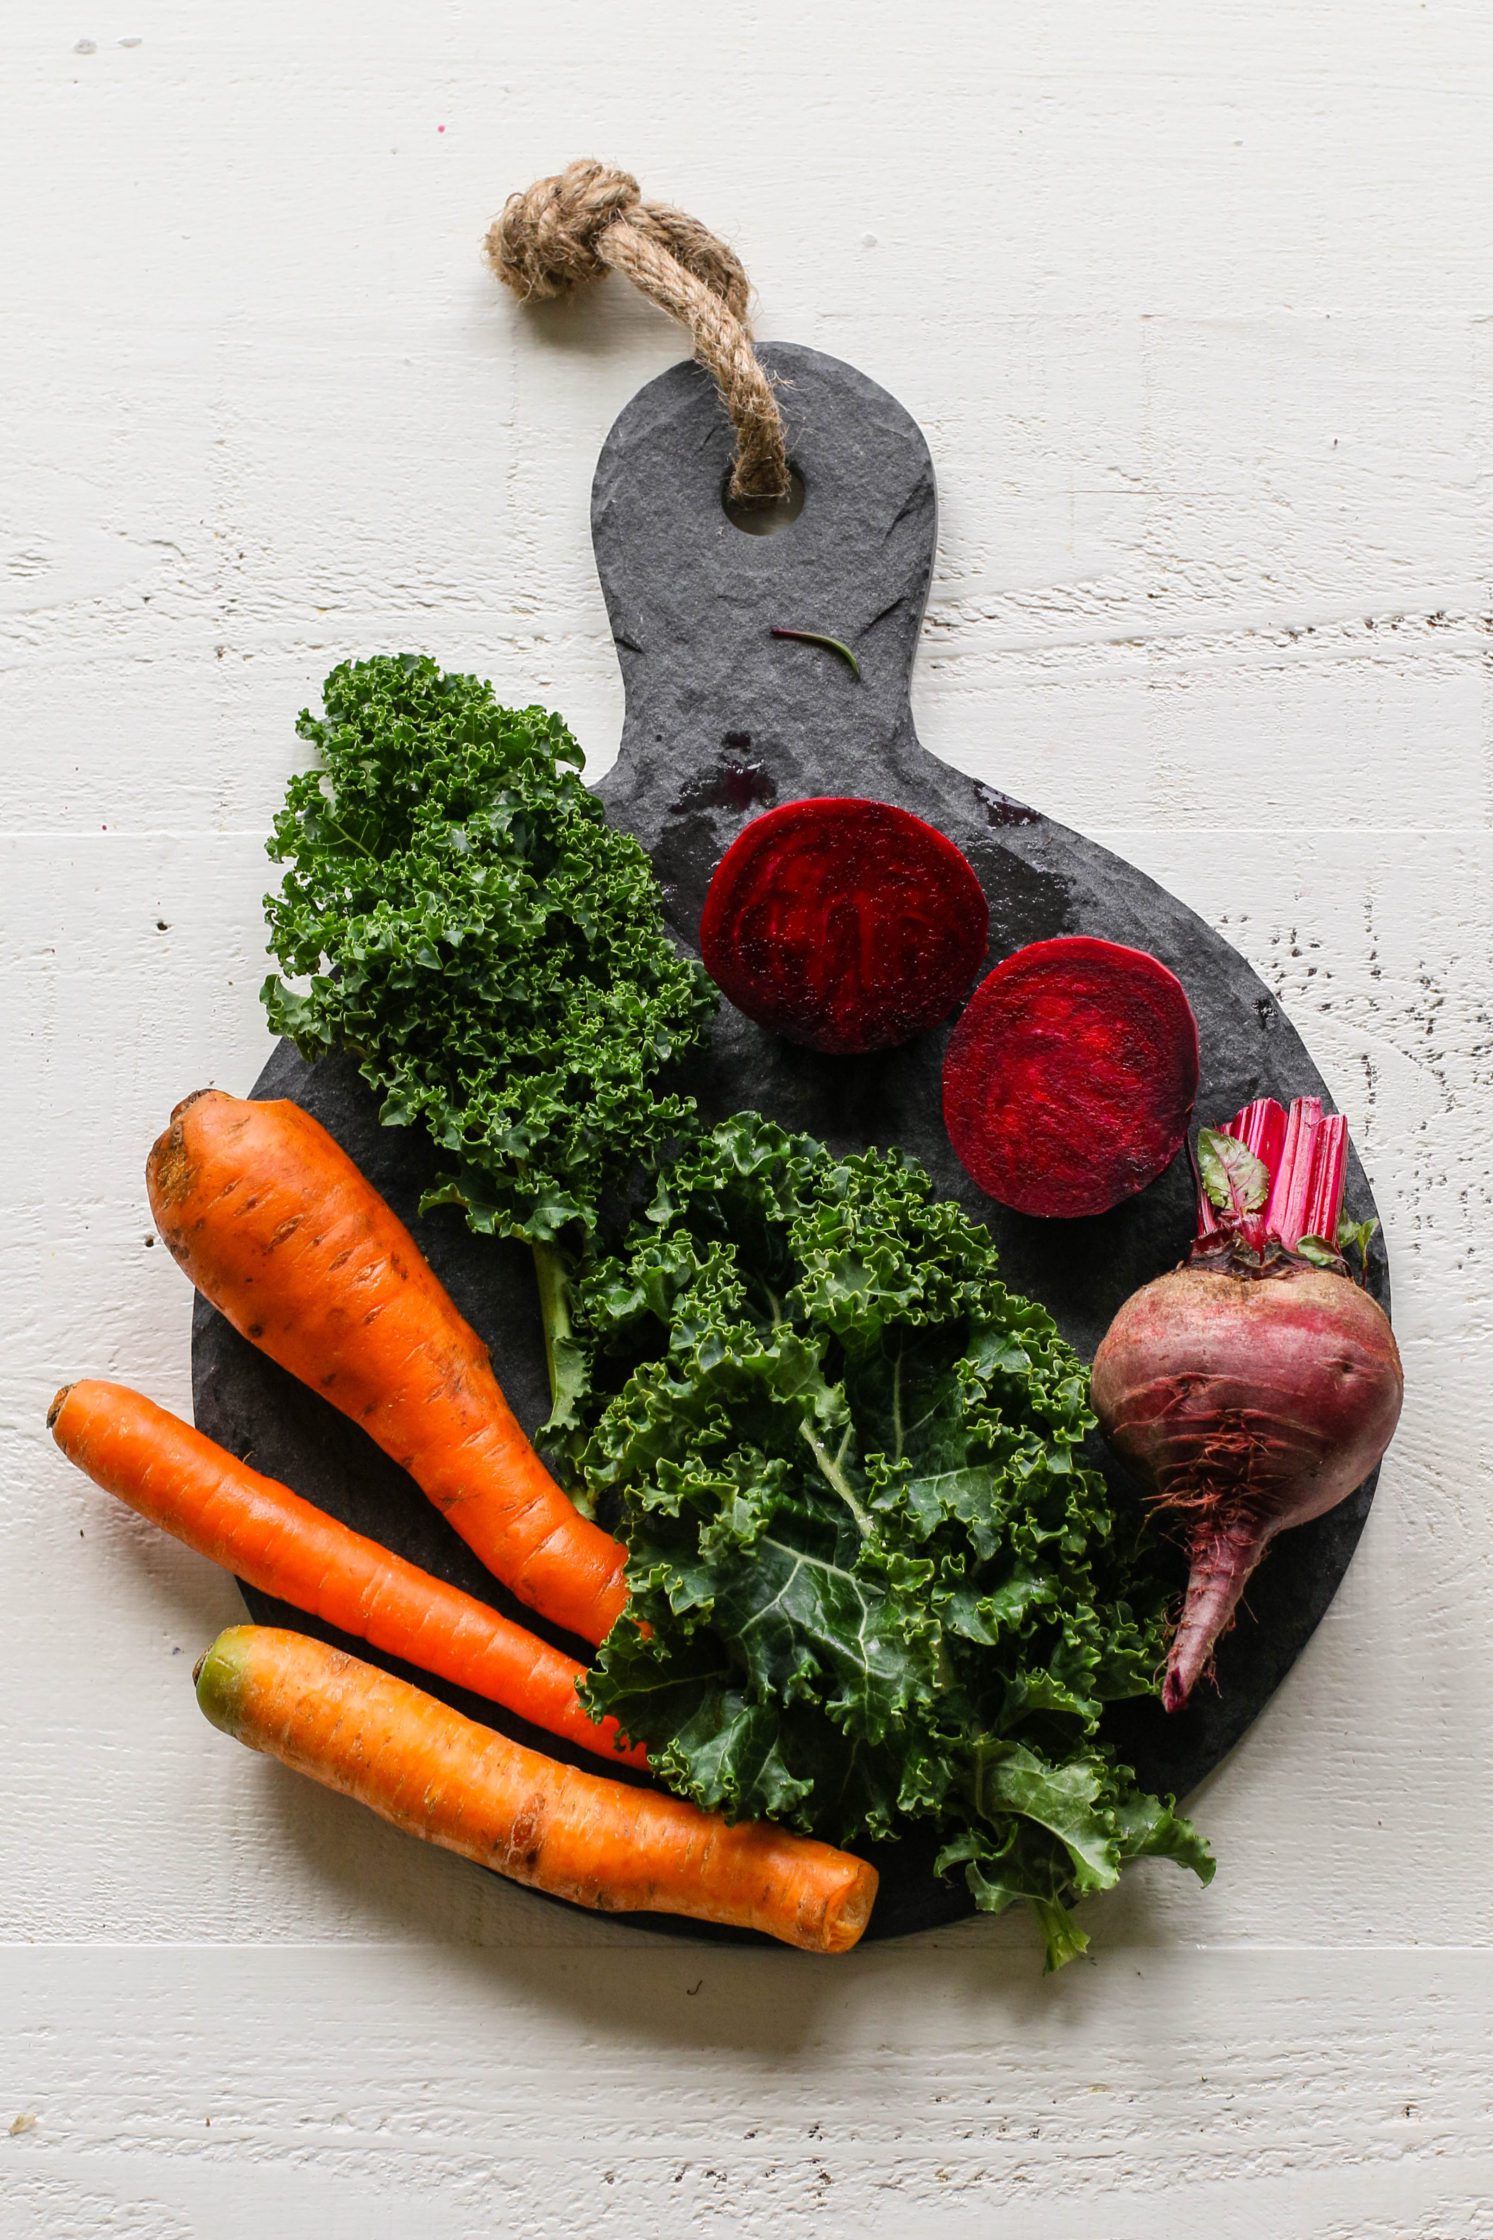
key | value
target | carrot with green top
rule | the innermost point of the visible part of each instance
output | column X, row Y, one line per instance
column 570, row 1833
column 276, row 1226
column 269, row 1536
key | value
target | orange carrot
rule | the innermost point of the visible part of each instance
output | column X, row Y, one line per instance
column 575, row 1835
column 275, row 1225
column 283, row 1545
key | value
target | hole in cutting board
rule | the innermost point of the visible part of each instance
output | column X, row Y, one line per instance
column 764, row 517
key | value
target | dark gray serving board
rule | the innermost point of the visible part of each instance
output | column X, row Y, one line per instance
column 722, row 721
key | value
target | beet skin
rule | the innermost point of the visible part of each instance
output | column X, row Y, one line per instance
column 1251, row 1402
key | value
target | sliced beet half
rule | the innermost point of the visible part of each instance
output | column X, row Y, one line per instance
column 844, row 924
column 1070, row 1079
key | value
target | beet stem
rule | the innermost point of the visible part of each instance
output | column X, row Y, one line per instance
column 1306, row 1152
column 1261, row 1128
column 1324, row 1205
column 1285, row 1215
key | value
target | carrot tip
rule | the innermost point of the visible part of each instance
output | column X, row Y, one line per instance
column 58, row 1404
column 218, row 1676
column 845, row 1922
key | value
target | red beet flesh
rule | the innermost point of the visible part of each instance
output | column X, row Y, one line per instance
column 1250, row 1402
column 1071, row 1076
column 844, row 924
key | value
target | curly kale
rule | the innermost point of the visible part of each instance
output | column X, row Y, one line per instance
column 876, row 1582
column 489, row 948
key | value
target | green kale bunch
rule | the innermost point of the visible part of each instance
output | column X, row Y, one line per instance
column 874, row 1583
column 489, row 948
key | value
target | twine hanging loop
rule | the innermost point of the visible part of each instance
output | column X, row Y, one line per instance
column 568, row 230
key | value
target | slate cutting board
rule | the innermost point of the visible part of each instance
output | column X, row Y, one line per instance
column 722, row 721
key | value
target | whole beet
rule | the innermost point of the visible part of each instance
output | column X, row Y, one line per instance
column 1251, row 1401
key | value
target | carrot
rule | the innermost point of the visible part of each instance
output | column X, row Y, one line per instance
column 275, row 1225
column 269, row 1536
column 575, row 1835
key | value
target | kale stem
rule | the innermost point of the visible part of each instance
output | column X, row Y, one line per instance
column 819, row 638
column 350, row 837
column 835, row 1477
column 552, row 1270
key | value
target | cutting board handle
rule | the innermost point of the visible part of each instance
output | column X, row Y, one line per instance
column 693, row 598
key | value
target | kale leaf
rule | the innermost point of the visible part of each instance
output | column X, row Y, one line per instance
column 492, row 951
column 873, row 1581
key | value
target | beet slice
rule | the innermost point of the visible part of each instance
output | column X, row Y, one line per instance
column 848, row 925
column 1070, row 1079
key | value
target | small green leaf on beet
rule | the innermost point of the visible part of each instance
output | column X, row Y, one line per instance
column 1357, row 1236
column 1319, row 1252
column 1236, row 1181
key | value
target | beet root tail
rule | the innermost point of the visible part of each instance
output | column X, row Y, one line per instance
column 1223, row 1557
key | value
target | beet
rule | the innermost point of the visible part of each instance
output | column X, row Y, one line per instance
column 844, row 924
column 1070, row 1079
column 1257, row 1387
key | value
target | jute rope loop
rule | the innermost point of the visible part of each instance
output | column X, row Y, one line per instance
column 571, row 229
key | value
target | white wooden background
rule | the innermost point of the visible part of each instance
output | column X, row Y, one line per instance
column 1194, row 303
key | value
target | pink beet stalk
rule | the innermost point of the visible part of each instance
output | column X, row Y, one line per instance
column 1261, row 1128
column 1306, row 1154
column 1291, row 1185
column 1324, row 1204
column 1254, row 1388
